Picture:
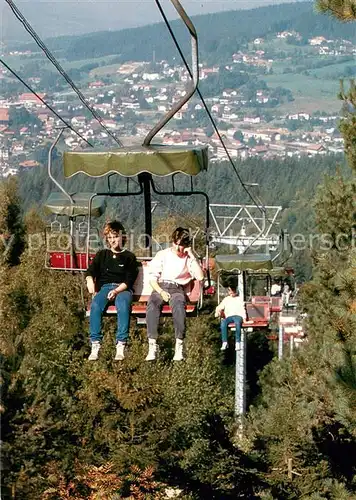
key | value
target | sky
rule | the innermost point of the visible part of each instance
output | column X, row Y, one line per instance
column 65, row 17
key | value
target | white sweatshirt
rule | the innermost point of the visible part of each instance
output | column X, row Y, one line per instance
column 167, row 266
column 232, row 306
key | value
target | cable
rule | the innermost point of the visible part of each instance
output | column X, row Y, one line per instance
column 261, row 208
column 54, row 61
column 44, row 102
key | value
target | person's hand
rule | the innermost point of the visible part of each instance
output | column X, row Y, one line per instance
column 165, row 296
column 91, row 286
column 189, row 252
column 112, row 294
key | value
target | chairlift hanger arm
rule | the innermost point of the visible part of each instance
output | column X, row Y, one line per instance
column 188, row 193
column 195, row 72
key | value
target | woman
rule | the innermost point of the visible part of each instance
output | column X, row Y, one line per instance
column 110, row 278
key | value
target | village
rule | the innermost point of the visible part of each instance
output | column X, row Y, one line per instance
column 134, row 95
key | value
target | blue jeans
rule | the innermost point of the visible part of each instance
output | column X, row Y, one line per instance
column 123, row 306
column 237, row 320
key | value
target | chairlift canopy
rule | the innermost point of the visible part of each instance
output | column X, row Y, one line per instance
column 59, row 204
column 130, row 161
column 234, row 262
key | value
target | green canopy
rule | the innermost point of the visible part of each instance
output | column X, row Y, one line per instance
column 243, row 262
column 130, row 161
column 279, row 272
column 59, row 204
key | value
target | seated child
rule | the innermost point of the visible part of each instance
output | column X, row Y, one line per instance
column 231, row 310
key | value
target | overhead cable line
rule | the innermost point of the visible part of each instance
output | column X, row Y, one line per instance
column 54, row 61
column 260, row 207
column 44, row 102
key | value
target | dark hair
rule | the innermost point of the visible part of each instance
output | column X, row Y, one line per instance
column 182, row 236
column 231, row 282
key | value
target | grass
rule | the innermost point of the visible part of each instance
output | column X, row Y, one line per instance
column 334, row 70
column 310, row 94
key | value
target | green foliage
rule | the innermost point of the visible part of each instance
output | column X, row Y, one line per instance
column 215, row 45
column 344, row 10
column 348, row 124
column 20, row 117
column 65, row 415
column 11, row 226
column 305, row 425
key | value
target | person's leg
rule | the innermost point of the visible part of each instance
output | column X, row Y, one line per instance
column 97, row 307
column 237, row 320
column 177, row 303
column 123, row 307
column 223, row 328
column 153, row 312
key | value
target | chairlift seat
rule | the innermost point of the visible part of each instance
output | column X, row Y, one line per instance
column 275, row 303
column 69, row 262
column 59, row 204
column 142, row 291
column 160, row 160
column 258, row 316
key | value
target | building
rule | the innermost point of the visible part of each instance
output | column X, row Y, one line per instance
column 4, row 116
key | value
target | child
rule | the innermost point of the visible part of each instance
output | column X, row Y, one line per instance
column 231, row 310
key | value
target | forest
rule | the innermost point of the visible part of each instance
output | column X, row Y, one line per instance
column 218, row 33
column 72, row 429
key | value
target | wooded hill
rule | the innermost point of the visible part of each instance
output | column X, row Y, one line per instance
column 220, row 34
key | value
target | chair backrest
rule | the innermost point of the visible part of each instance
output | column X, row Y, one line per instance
column 142, row 288
column 68, row 261
column 276, row 304
column 258, row 312
column 260, row 299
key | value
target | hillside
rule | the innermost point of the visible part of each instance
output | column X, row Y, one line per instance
column 220, row 34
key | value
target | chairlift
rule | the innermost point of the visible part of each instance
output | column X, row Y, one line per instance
column 243, row 266
column 147, row 163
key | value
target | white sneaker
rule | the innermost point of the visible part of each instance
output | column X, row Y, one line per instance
column 178, row 353
column 224, row 346
column 120, row 348
column 95, row 348
column 152, row 350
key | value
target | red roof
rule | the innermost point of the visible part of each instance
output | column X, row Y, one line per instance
column 4, row 115
column 29, row 163
column 28, row 96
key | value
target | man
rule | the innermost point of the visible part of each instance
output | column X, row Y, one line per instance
column 170, row 270
column 112, row 273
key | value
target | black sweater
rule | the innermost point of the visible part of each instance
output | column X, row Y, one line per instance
column 107, row 269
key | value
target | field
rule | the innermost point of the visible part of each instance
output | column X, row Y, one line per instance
column 310, row 94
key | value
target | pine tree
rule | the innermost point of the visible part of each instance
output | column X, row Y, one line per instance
column 11, row 224
column 305, row 427
column 344, row 10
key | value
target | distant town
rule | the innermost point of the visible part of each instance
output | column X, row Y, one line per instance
column 249, row 120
